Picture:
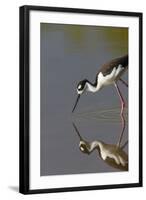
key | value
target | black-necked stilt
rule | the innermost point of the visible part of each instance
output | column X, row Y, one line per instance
column 108, row 74
column 113, row 155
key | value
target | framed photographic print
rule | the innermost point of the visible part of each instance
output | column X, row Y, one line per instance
column 80, row 99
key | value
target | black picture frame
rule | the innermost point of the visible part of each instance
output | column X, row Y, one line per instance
column 24, row 122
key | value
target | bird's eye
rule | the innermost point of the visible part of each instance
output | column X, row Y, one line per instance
column 82, row 149
column 79, row 86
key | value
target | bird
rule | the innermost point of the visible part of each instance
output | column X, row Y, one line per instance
column 108, row 74
column 112, row 154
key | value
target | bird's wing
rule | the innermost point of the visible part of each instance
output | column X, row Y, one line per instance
column 112, row 163
column 108, row 67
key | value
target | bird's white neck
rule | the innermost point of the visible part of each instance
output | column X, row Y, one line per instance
column 93, row 88
column 94, row 145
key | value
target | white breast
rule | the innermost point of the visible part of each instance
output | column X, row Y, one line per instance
column 110, row 78
column 105, row 80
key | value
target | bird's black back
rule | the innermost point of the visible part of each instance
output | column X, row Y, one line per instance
column 108, row 67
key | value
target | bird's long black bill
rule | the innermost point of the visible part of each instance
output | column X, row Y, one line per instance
column 77, row 131
column 76, row 102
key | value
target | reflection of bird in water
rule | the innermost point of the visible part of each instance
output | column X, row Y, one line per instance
column 113, row 155
column 108, row 74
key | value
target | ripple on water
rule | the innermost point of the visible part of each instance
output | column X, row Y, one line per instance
column 104, row 114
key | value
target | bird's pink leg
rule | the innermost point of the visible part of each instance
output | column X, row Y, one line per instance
column 121, row 114
column 121, row 98
column 126, row 84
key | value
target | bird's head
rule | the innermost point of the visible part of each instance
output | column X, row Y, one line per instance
column 81, row 87
column 84, row 147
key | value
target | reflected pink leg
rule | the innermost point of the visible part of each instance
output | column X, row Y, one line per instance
column 123, row 129
column 121, row 114
column 124, row 145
